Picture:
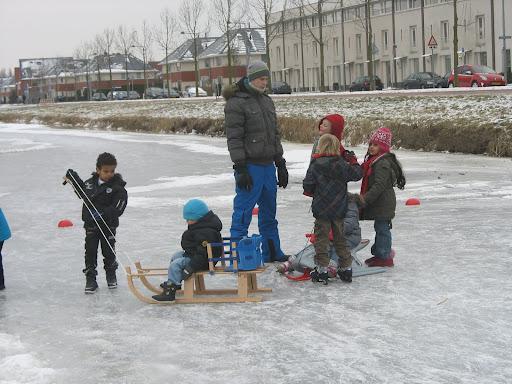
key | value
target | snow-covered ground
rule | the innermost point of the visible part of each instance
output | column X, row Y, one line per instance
column 422, row 107
column 442, row 315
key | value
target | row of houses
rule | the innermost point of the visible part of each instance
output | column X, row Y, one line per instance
column 68, row 78
column 401, row 31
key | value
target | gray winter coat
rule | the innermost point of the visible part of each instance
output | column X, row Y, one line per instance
column 251, row 126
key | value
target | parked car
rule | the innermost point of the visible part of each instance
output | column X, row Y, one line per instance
column 421, row 80
column 173, row 93
column 362, row 83
column 99, row 96
column 281, row 87
column 154, row 93
column 443, row 82
column 133, row 95
column 117, row 95
column 476, row 76
column 191, row 92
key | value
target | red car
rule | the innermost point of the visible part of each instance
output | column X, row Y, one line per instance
column 476, row 76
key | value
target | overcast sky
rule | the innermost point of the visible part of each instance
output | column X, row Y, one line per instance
column 49, row 28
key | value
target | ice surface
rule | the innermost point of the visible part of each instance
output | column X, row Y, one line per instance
column 442, row 315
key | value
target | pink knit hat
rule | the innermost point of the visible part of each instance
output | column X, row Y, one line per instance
column 382, row 137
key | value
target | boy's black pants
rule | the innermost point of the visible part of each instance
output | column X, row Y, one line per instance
column 93, row 238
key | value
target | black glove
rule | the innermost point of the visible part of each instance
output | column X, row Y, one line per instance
column 70, row 176
column 282, row 173
column 242, row 177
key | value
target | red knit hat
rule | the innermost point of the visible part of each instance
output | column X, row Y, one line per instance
column 338, row 123
column 382, row 137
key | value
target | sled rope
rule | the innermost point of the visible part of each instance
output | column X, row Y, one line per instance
column 98, row 224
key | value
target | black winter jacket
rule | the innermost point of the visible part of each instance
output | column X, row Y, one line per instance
column 326, row 180
column 194, row 239
column 109, row 198
column 251, row 126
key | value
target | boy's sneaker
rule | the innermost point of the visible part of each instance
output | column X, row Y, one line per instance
column 319, row 277
column 345, row 274
column 111, row 279
column 91, row 285
column 381, row 262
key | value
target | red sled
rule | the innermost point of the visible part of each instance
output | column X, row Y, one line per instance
column 305, row 276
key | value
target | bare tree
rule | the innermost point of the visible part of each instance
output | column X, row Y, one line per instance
column 190, row 14
column 84, row 52
column 316, row 9
column 165, row 38
column 3, row 72
column 229, row 14
column 124, row 40
column 105, row 43
column 262, row 16
column 144, row 40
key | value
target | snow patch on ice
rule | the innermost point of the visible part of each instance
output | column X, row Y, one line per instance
column 18, row 366
column 22, row 145
column 182, row 182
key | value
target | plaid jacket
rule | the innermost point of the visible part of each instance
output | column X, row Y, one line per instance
column 326, row 181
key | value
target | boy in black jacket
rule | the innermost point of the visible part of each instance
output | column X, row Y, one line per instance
column 203, row 227
column 105, row 197
column 326, row 181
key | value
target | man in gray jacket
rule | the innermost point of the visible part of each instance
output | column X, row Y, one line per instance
column 254, row 144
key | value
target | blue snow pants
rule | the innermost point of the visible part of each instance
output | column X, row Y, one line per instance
column 263, row 193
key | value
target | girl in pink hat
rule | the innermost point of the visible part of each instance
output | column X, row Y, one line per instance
column 381, row 172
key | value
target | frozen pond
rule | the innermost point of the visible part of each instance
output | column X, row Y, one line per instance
column 442, row 315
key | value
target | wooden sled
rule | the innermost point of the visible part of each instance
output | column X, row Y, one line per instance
column 194, row 288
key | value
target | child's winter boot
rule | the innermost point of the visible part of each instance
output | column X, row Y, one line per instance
column 378, row 262
column 319, row 275
column 345, row 274
column 168, row 294
column 283, row 267
column 111, row 279
column 90, row 280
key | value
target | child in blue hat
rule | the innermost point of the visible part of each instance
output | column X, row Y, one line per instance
column 204, row 226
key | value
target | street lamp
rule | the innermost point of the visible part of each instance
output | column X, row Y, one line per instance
column 144, row 67
column 196, row 66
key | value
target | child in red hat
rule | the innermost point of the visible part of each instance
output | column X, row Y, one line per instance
column 334, row 125
column 381, row 172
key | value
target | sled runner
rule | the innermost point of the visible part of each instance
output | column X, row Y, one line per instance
column 194, row 288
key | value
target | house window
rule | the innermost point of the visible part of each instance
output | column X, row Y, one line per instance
column 483, row 58
column 336, row 47
column 413, row 3
column 480, row 27
column 296, row 51
column 412, row 35
column 278, row 53
column 359, row 46
column 294, row 25
column 315, row 49
column 385, row 40
column 445, row 31
column 313, row 21
column 324, row 19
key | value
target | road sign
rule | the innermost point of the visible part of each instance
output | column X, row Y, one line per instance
column 432, row 43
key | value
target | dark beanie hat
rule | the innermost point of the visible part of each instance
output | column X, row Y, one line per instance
column 257, row 69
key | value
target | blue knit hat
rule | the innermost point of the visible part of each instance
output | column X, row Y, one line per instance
column 257, row 69
column 195, row 209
